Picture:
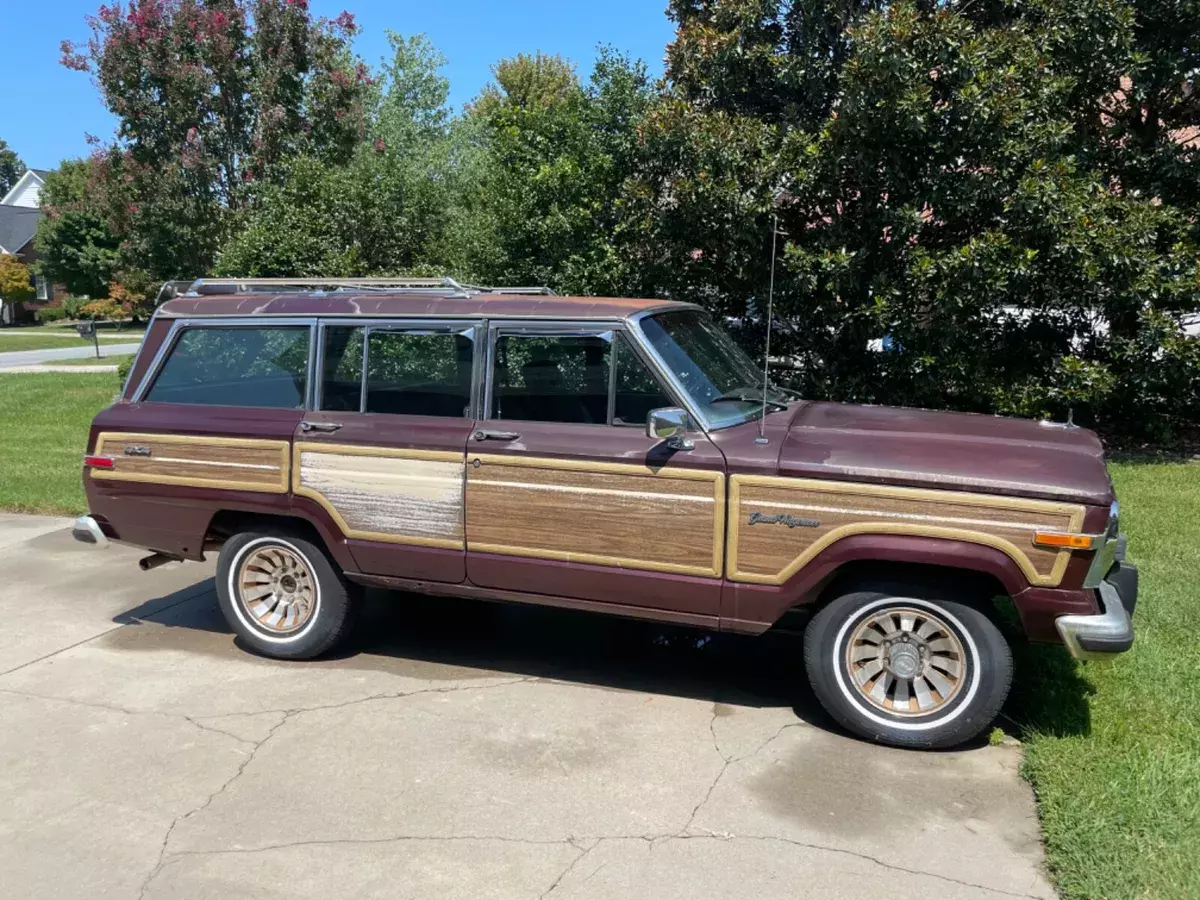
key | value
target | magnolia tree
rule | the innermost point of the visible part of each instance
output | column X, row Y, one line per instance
column 211, row 97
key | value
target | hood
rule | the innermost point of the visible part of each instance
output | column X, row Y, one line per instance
column 955, row 451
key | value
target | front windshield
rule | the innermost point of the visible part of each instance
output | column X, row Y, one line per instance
column 718, row 376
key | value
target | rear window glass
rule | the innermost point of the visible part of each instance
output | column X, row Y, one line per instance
column 265, row 367
column 411, row 373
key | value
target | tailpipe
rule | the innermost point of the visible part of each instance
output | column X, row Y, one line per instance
column 154, row 560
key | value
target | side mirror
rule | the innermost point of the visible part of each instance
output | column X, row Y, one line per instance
column 669, row 424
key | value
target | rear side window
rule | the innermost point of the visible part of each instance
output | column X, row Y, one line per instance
column 266, row 367
column 411, row 373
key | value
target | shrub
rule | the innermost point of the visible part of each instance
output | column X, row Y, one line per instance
column 48, row 314
column 101, row 309
column 123, row 368
column 72, row 305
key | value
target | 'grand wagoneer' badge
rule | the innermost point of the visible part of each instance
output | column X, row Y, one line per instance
column 757, row 518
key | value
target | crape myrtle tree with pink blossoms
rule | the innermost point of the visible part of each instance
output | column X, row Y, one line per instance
column 211, row 98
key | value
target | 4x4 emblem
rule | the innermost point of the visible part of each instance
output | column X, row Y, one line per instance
column 782, row 519
column 136, row 450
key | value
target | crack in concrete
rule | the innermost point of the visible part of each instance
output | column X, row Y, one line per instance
column 728, row 761
column 567, row 871
column 845, row 852
column 288, row 715
column 593, row 842
column 162, row 850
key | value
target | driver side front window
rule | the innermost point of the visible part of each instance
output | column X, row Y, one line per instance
column 570, row 379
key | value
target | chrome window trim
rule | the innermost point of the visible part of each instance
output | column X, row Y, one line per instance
column 129, row 375
column 608, row 328
column 182, row 324
column 467, row 327
column 659, row 365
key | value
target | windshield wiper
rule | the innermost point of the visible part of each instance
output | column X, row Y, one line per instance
column 747, row 395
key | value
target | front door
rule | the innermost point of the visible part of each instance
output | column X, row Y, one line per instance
column 565, row 493
column 382, row 453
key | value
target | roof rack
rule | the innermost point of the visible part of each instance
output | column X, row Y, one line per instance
column 441, row 286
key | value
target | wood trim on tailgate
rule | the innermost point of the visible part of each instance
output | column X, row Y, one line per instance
column 232, row 464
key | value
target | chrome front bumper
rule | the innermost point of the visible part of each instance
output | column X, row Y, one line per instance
column 1111, row 632
column 87, row 531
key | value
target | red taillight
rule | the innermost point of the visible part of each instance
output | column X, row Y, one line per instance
column 98, row 462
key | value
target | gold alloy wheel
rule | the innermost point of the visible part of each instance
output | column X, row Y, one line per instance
column 906, row 661
column 277, row 589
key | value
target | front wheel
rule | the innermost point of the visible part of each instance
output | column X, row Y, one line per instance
column 282, row 595
column 902, row 665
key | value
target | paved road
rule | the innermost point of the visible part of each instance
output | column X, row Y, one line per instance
column 457, row 750
column 31, row 357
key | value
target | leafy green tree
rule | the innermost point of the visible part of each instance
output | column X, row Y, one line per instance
column 212, row 97
column 11, row 168
column 961, row 179
column 555, row 154
column 15, row 283
column 75, row 246
column 387, row 211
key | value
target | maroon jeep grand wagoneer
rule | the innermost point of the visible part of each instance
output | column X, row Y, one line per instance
column 602, row 454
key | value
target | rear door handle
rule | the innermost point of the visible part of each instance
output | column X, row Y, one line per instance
column 485, row 435
column 325, row 427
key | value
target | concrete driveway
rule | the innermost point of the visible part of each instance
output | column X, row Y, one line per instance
column 458, row 750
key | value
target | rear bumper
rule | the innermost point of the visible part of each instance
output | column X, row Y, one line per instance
column 1111, row 631
column 87, row 530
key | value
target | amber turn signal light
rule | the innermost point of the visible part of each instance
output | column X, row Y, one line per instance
column 98, row 462
column 1065, row 541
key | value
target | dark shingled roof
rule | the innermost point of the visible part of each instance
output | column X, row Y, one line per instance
column 18, row 224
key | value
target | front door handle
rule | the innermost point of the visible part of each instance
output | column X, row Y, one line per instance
column 324, row 427
column 486, row 435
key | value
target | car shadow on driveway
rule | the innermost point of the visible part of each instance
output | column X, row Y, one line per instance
column 447, row 638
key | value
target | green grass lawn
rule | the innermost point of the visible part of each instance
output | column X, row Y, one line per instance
column 1112, row 749
column 44, row 421
column 39, row 339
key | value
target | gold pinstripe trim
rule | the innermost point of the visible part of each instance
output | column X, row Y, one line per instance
column 1075, row 513
column 217, row 483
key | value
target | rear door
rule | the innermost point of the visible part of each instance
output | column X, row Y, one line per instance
column 567, row 496
column 382, row 450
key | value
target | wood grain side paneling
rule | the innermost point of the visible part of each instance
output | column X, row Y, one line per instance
column 380, row 494
column 821, row 512
column 235, row 464
column 664, row 520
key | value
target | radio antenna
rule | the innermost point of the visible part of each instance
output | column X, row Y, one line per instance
column 762, row 420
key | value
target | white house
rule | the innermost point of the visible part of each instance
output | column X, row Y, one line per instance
column 27, row 191
column 20, row 210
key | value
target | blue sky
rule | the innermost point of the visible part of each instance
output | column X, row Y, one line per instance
column 48, row 109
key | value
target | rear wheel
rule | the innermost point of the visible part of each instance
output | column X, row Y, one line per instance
column 282, row 595
column 902, row 664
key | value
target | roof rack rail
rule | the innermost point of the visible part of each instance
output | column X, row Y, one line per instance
column 441, row 285
column 277, row 285
column 511, row 290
